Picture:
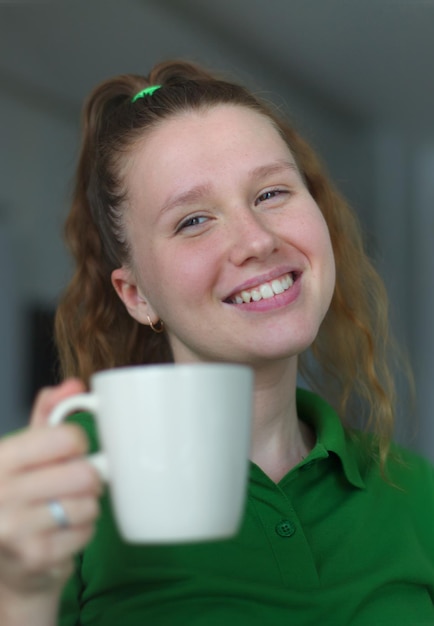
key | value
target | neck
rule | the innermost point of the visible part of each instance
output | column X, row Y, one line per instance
column 279, row 439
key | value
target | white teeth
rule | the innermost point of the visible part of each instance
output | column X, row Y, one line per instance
column 265, row 291
column 288, row 281
column 277, row 286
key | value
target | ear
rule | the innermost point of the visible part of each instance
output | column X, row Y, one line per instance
column 134, row 300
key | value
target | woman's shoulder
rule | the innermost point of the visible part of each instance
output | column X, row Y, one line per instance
column 411, row 469
column 405, row 470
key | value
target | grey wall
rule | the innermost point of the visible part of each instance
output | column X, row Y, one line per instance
column 36, row 164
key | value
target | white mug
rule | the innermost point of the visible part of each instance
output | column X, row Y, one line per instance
column 175, row 443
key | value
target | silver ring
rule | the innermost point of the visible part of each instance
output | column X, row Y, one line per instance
column 58, row 513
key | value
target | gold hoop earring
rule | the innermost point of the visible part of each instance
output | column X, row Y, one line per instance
column 158, row 327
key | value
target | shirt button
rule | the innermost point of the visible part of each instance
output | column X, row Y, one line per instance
column 285, row 528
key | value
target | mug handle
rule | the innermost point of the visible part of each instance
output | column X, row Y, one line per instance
column 81, row 401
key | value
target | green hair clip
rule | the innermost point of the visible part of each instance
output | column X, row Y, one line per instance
column 148, row 91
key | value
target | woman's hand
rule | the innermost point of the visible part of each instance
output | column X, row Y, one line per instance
column 38, row 466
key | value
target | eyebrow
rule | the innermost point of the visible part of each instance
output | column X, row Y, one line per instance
column 188, row 197
column 200, row 191
column 273, row 168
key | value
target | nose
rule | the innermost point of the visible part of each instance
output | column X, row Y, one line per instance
column 251, row 239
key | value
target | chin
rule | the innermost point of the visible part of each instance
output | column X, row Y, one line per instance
column 284, row 347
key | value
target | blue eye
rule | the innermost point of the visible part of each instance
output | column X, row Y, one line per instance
column 191, row 222
column 268, row 195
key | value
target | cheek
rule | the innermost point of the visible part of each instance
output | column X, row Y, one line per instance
column 149, row 272
column 328, row 269
column 321, row 251
column 177, row 275
column 313, row 232
column 331, row 277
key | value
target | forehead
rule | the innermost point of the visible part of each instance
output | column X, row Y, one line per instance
column 207, row 133
column 212, row 146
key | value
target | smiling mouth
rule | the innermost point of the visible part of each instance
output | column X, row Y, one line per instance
column 265, row 290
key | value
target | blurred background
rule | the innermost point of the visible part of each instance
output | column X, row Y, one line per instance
column 355, row 77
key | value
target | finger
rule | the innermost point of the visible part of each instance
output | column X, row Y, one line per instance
column 49, row 397
column 60, row 544
column 76, row 512
column 50, row 483
column 34, row 447
column 38, row 560
column 20, row 523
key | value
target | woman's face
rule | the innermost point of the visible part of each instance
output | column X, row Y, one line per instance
column 228, row 247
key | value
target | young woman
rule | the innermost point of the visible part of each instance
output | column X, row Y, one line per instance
column 204, row 229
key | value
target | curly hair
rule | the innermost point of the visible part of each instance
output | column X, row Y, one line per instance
column 350, row 360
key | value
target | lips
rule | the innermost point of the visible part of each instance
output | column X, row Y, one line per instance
column 263, row 291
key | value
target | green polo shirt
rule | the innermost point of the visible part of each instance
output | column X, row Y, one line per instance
column 331, row 543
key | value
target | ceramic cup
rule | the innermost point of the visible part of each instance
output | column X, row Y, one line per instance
column 175, row 441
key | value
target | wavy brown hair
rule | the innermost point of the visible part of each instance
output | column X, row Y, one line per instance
column 349, row 361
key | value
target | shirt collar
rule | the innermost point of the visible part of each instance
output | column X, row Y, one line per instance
column 330, row 434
